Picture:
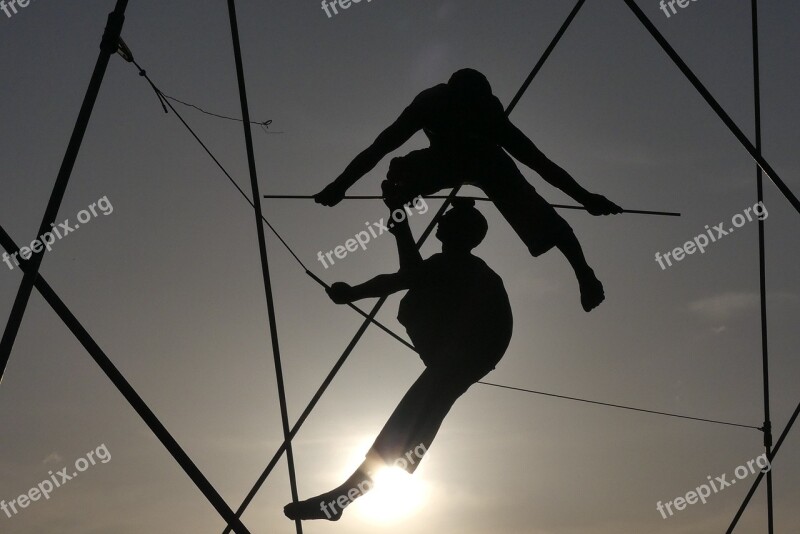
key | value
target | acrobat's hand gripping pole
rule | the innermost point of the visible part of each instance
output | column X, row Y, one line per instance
column 340, row 362
column 108, row 46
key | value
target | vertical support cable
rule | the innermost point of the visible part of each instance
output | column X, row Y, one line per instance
column 760, row 476
column 762, row 265
column 262, row 247
column 711, row 101
column 286, row 446
column 108, row 46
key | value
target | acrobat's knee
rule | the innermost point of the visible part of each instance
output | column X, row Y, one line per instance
column 397, row 185
column 397, row 172
column 556, row 236
column 394, row 194
column 540, row 248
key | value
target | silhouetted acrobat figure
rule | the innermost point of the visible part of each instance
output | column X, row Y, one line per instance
column 458, row 316
column 469, row 135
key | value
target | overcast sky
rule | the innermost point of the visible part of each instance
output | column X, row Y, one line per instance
column 169, row 282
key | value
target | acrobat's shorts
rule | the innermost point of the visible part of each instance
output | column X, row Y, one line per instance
column 427, row 171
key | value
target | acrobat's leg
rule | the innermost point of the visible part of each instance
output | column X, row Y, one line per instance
column 592, row 293
column 421, row 172
column 403, row 441
column 415, row 422
column 534, row 220
column 331, row 505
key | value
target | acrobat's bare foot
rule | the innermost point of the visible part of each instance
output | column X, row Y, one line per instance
column 592, row 293
column 313, row 508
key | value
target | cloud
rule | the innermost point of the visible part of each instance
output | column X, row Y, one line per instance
column 53, row 458
column 725, row 306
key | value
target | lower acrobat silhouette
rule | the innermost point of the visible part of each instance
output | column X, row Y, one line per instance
column 458, row 316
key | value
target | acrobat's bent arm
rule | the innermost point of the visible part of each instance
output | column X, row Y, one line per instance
column 520, row 147
column 407, row 250
column 388, row 141
column 382, row 285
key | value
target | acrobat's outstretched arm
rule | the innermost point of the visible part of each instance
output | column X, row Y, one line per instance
column 382, row 285
column 385, row 284
column 388, row 141
column 518, row 145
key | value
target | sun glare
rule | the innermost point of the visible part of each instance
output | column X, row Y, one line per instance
column 395, row 496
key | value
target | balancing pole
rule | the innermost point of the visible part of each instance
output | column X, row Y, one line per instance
column 478, row 199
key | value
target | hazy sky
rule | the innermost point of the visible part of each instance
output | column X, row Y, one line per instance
column 169, row 283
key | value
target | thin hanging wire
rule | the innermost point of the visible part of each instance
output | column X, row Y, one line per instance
column 263, row 124
column 622, row 406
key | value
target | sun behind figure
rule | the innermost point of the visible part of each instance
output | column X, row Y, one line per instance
column 395, row 496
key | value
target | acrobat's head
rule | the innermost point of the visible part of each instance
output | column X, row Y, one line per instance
column 470, row 86
column 462, row 227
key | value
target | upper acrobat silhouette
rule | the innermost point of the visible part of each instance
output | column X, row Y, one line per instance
column 458, row 316
column 470, row 141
